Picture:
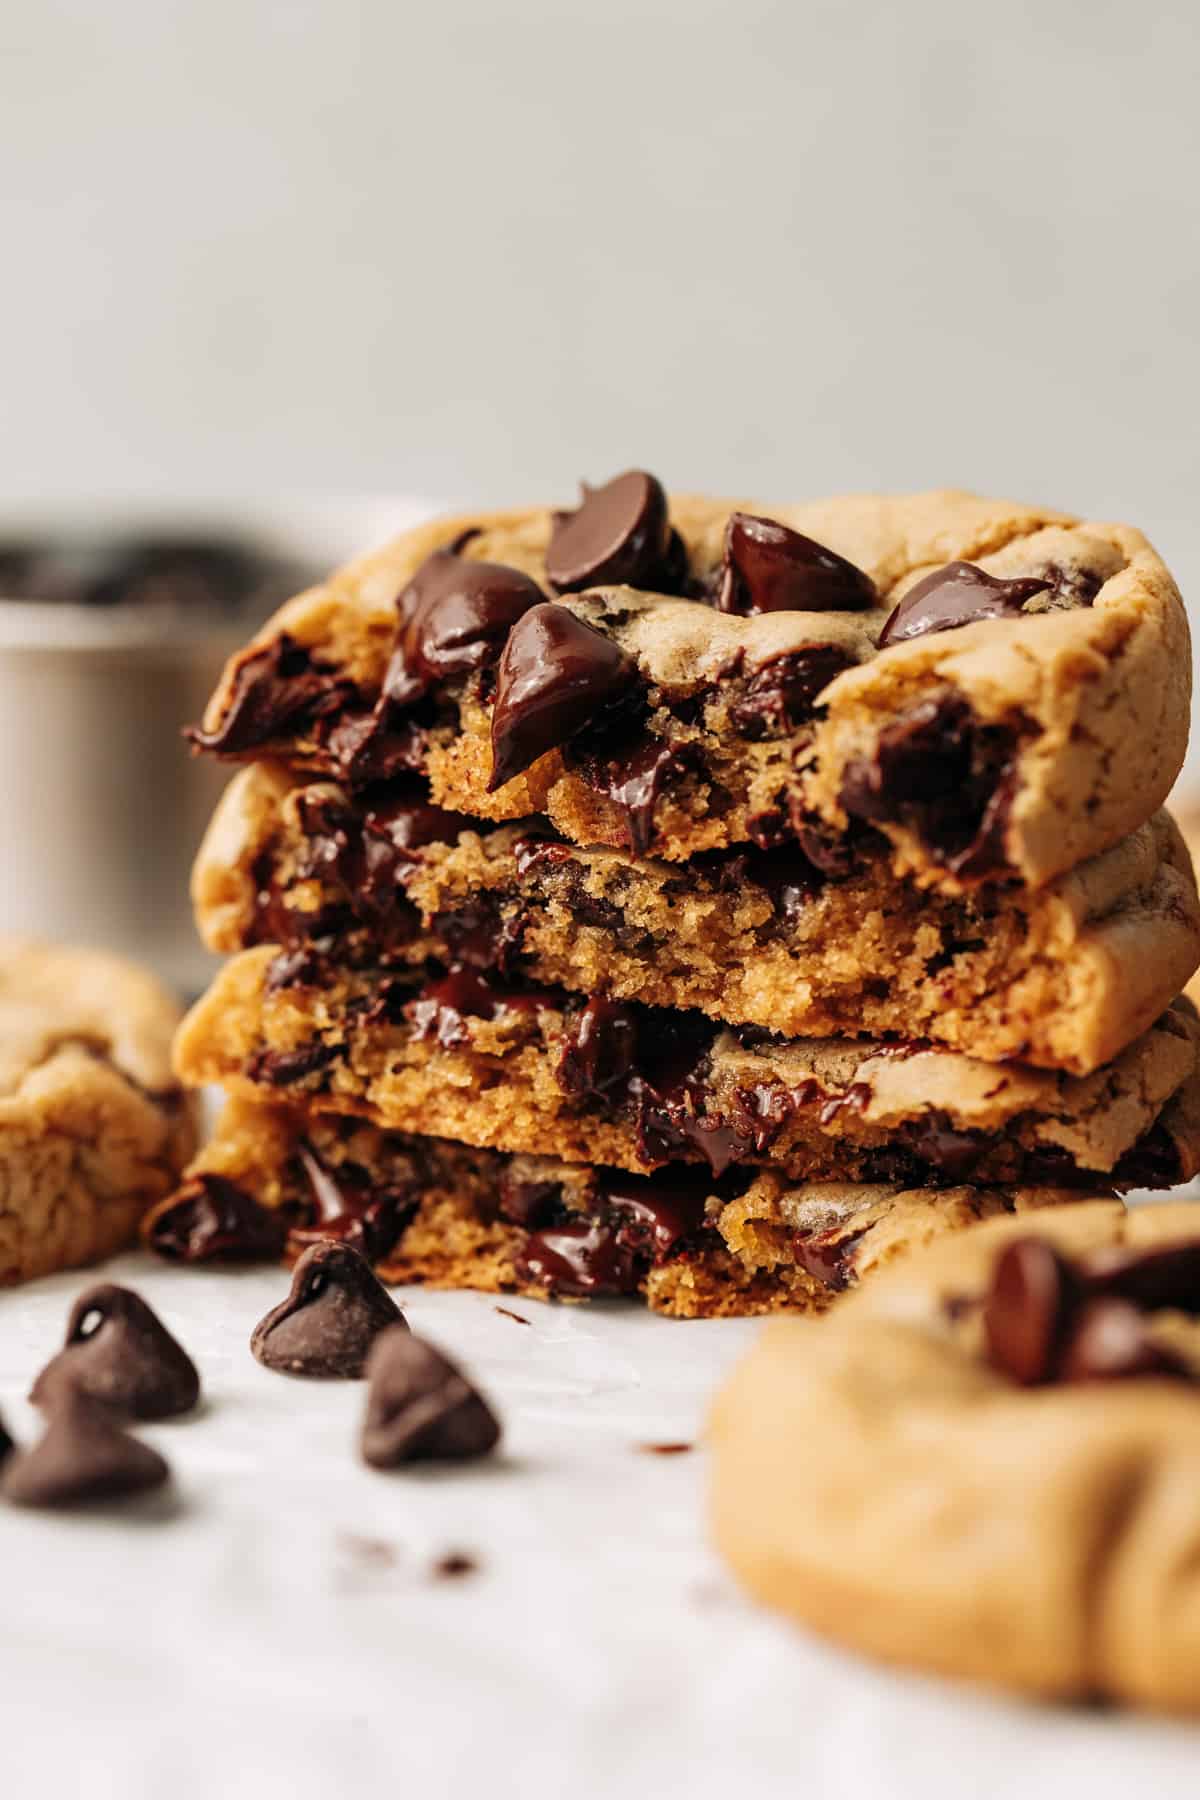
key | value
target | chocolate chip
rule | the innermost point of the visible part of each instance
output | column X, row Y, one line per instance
column 334, row 1312
column 1027, row 1309
column 83, row 1455
column 783, row 692
column 119, row 1353
column 1167, row 1275
column 599, row 1049
column 954, row 1154
column 619, row 535
column 279, row 691
column 769, row 568
column 286, row 1068
column 584, row 1259
column 347, row 1207
column 455, row 616
column 7, row 1445
column 554, row 676
column 1108, row 1341
column 213, row 1220
column 421, row 1407
column 959, row 594
column 828, row 1256
column 947, row 777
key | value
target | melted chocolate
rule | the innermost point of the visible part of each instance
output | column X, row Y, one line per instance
column 532, row 1204
column 828, row 1256
column 584, row 1258
column 213, row 1220
column 635, row 779
column 619, row 536
column 444, row 1004
column 455, row 617
column 947, row 777
column 348, row 1207
column 959, row 594
column 279, row 692
column 769, row 568
column 555, row 675
column 784, row 692
column 599, row 1052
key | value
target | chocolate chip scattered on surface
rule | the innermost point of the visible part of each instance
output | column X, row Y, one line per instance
column 326, row 1326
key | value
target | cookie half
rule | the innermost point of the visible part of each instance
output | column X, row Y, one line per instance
column 983, row 738
column 273, row 1180
column 1064, row 977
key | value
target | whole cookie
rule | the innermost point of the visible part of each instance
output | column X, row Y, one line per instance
column 986, row 1463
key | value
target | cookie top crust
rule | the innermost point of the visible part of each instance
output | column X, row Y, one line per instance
column 56, row 1000
column 958, row 675
column 894, row 540
column 1011, row 1508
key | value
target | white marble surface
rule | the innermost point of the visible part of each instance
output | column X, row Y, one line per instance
column 276, row 1630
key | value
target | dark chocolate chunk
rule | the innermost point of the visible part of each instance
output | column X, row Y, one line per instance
column 279, row 692
column 947, row 777
column 1108, row 1341
column 620, row 535
column 83, row 1455
column 1166, row 1275
column 554, row 676
column 954, row 1154
column 634, row 777
column 599, row 1049
column 530, row 1203
column 655, row 1213
column 784, row 692
column 486, row 933
column 347, row 1207
column 828, row 1256
column 421, row 1407
column 585, row 1258
column 334, row 1312
column 7, row 1445
column 767, row 567
column 443, row 1006
column 959, row 594
column 213, row 1220
column 286, row 1068
column 119, row 1353
column 1027, row 1310
column 455, row 616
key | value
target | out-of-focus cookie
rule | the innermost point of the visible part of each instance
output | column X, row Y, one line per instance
column 93, row 1126
column 986, row 1463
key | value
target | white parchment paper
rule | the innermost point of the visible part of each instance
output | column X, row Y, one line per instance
column 276, row 1628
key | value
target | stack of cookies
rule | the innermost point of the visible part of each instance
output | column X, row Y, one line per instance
column 676, row 898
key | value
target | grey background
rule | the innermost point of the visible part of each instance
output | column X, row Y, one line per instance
column 473, row 250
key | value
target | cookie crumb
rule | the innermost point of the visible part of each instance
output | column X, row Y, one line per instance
column 679, row 1449
column 454, row 1564
column 519, row 1317
column 367, row 1552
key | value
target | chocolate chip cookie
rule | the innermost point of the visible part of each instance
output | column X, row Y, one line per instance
column 520, row 1067
column 274, row 1180
column 984, row 1462
column 1064, row 976
column 93, row 1126
column 962, row 677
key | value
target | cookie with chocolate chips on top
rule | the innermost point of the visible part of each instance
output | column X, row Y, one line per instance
column 962, row 676
column 984, row 1463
